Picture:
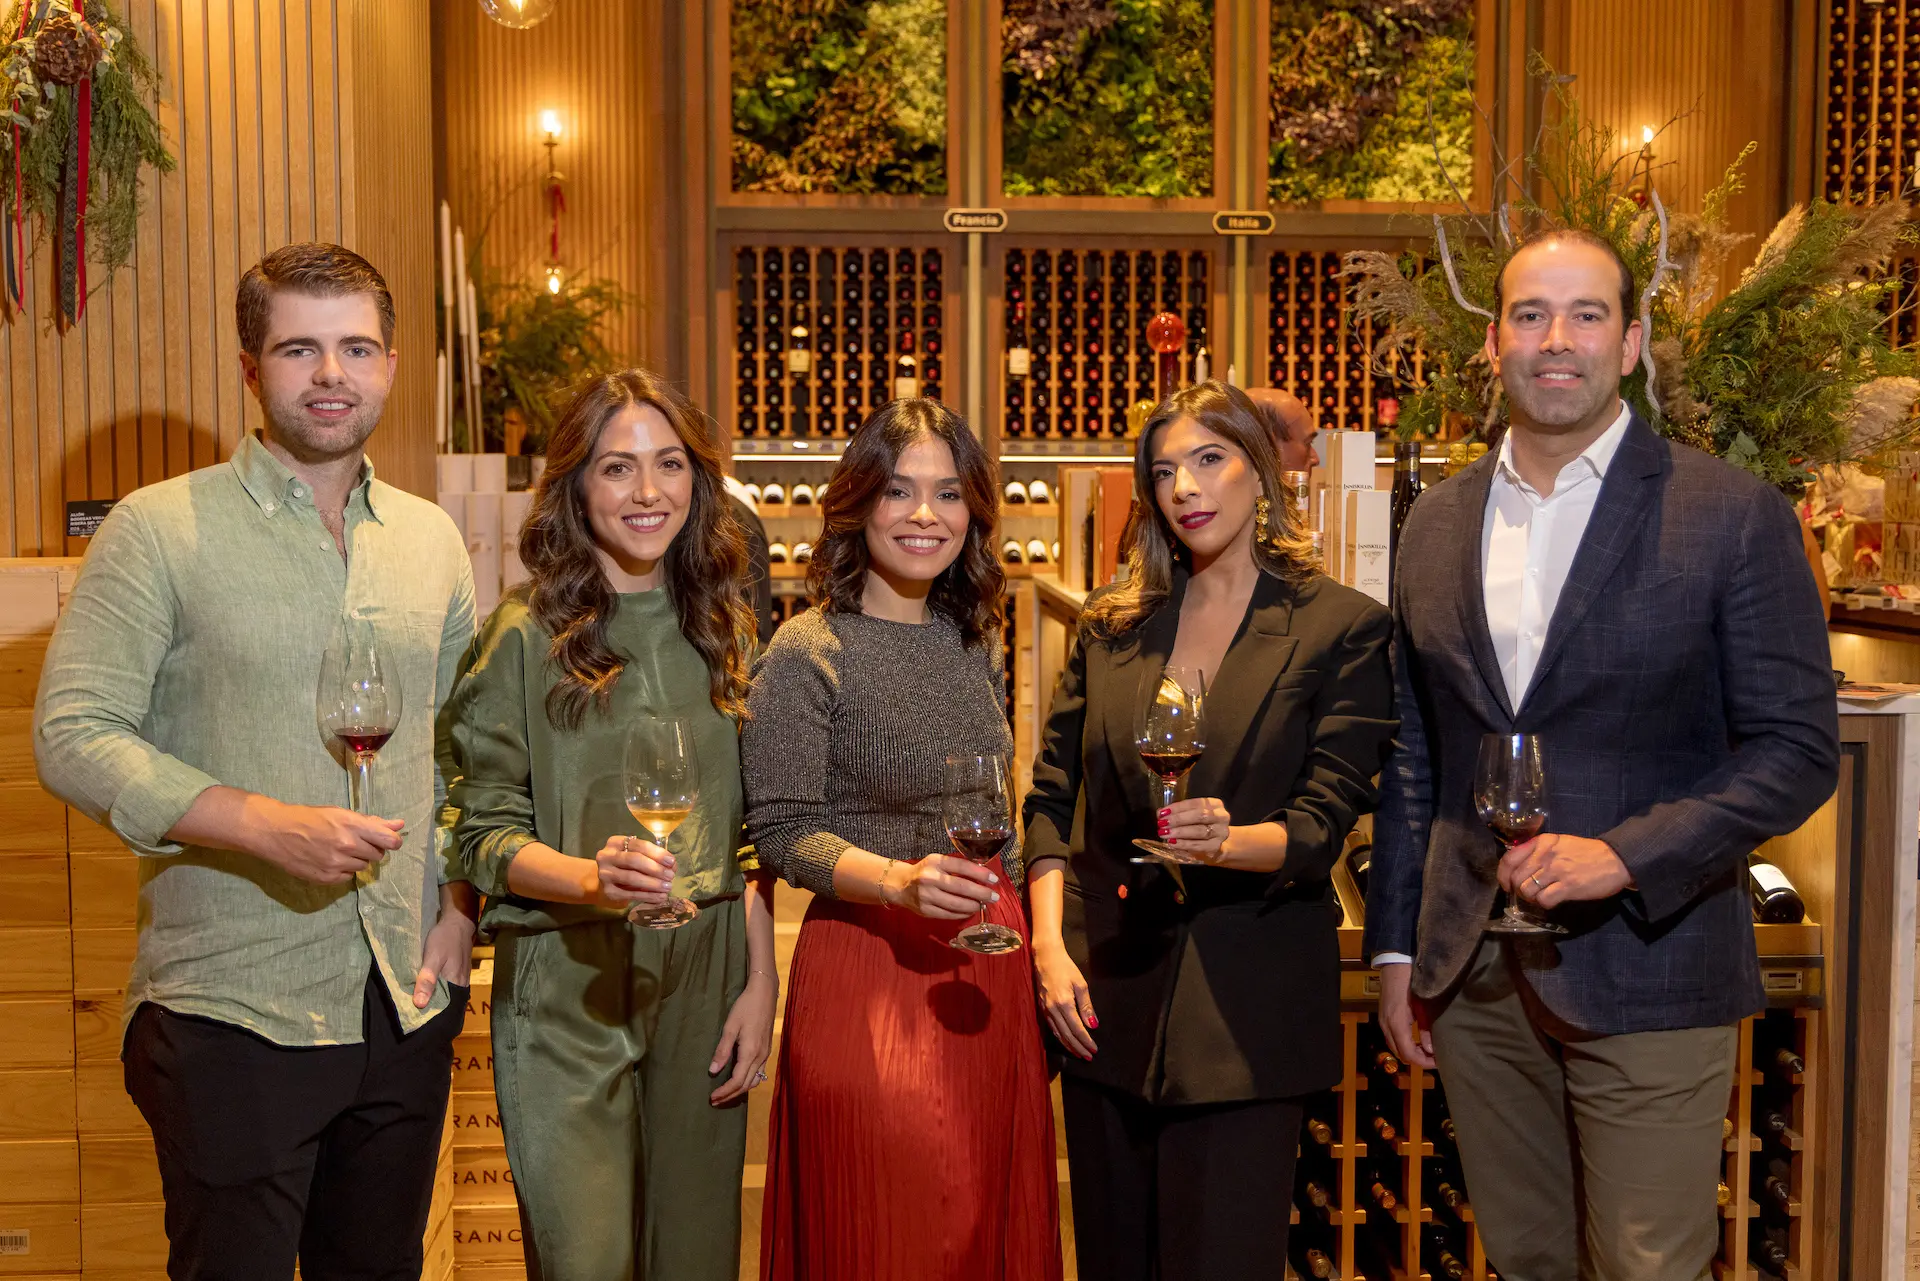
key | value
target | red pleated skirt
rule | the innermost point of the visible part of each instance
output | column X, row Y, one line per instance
column 912, row 1133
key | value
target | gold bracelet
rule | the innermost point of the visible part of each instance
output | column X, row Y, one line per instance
column 884, row 872
column 769, row 973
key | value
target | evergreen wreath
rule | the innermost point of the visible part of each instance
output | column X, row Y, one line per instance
column 1791, row 370
column 75, row 129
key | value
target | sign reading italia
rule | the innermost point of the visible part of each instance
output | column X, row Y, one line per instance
column 976, row 220
column 1243, row 222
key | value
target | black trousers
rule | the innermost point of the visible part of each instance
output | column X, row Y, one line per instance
column 269, row 1152
column 1194, row 1193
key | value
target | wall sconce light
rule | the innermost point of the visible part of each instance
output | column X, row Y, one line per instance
column 556, row 195
column 518, row 14
column 550, row 126
column 553, row 279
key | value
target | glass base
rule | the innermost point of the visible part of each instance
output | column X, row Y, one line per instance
column 1517, row 922
column 677, row 912
column 987, row 939
column 1164, row 854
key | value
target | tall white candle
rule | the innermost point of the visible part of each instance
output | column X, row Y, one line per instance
column 477, row 442
column 440, row 401
column 446, row 254
column 459, row 273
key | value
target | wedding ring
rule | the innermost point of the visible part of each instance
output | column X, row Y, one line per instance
column 759, row 1078
column 1535, row 878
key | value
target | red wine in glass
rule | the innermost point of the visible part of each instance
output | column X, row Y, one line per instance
column 1170, row 736
column 978, row 813
column 363, row 738
column 1510, row 792
column 358, row 700
column 979, row 844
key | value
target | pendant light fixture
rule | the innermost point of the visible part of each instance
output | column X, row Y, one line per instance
column 518, row 14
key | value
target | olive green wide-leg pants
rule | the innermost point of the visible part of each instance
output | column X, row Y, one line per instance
column 602, row 1034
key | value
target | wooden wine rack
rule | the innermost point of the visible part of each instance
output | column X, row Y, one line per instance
column 1369, row 1246
column 1872, row 99
column 1317, row 351
column 1082, row 315
column 865, row 315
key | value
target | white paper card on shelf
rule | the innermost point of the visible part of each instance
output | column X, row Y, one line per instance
column 1367, row 523
column 455, row 505
column 483, row 546
column 513, row 515
column 456, row 473
column 489, row 473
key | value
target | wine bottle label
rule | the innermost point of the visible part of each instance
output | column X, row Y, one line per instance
column 799, row 362
column 1769, row 878
column 1019, row 362
column 906, row 388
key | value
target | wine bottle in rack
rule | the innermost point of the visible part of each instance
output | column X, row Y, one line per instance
column 1447, row 1194
column 1313, row 1261
column 1320, row 1130
column 1775, row 900
column 1440, row 1255
column 1315, row 1203
column 1767, row 1246
column 1379, row 1185
column 1772, row 1184
column 1770, row 1125
column 1376, row 1124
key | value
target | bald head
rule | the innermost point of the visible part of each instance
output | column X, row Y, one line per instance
column 1290, row 423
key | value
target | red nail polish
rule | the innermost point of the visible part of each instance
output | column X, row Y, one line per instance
column 1094, row 1023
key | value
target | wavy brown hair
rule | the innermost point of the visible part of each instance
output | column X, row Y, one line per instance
column 705, row 569
column 968, row 592
column 1153, row 549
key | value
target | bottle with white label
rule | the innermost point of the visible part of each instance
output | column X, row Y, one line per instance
column 1775, row 901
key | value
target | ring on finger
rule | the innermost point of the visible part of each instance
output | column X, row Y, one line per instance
column 1534, row 880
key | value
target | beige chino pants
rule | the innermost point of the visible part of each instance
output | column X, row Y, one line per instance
column 1587, row 1158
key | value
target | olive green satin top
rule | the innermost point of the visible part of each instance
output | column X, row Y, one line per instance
column 520, row 779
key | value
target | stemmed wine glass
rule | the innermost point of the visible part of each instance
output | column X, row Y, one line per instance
column 662, row 784
column 1171, row 735
column 358, row 700
column 1510, row 791
column 978, row 810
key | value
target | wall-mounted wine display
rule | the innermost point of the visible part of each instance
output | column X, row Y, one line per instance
column 1074, row 334
column 1872, row 102
column 1315, row 352
column 823, row 335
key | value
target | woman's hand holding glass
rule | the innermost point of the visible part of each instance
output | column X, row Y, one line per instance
column 630, row 870
column 940, row 887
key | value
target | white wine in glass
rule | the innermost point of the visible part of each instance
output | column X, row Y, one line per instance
column 662, row 783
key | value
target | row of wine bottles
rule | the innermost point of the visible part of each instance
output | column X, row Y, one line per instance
column 1872, row 101
column 823, row 337
column 775, row 493
column 1316, row 351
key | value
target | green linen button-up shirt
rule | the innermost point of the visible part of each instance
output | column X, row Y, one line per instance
column 188, row 657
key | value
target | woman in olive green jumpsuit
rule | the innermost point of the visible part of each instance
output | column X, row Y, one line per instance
column 622, row 1054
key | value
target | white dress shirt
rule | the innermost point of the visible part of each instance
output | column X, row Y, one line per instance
column 1527, row 545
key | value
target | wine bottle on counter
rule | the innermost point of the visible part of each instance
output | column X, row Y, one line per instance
column 1775, row 901
column 1406, row 486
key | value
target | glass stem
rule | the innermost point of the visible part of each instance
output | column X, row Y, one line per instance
column 360, row 781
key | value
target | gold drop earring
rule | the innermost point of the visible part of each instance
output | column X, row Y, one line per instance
column 1262, row 509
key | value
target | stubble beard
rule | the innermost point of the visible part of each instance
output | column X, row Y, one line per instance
column 1558, row 414
column 289, row 426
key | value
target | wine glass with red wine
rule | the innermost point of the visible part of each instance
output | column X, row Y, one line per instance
column 1510, row 791
column 978, row 810
column 1171, row 735
column 359, row 701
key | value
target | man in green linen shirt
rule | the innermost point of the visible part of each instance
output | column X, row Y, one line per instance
column 299, row 975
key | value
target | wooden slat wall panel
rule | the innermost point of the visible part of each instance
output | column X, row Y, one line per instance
column 580, row 62
column 1723, row 62
column 259, row 105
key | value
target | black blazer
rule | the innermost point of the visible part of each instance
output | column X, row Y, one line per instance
column 1686, row 705
column 1230, row 991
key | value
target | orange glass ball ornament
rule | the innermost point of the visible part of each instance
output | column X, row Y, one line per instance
column 1166, row 333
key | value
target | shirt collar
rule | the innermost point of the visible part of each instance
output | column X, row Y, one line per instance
column 1596, row 457
column 271, row 484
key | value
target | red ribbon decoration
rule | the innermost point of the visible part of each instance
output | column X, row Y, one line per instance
column 557, row 199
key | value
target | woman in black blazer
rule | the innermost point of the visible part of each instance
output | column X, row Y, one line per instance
column 1199, row 1003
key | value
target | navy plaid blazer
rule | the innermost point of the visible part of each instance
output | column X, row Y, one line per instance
column 1685, row 703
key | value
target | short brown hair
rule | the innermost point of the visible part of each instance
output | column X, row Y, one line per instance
column 316, row 270
column 968, row 592
column 1629, row 291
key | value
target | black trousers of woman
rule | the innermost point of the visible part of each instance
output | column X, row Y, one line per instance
column 1183, row 1193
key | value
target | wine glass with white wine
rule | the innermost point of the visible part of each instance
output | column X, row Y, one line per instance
column 662, row 784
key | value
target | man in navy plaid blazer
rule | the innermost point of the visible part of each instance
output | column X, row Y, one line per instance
column 1647, row 611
